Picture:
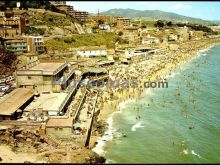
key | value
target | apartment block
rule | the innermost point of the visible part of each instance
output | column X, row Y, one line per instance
column 11, row 27
column 45, row 77
column 17, row 45
column 35, row 44
column 81, row 15
column 121, row 22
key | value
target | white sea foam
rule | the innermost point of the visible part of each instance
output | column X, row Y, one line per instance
column 138, row 125
column 108, row 135
column 110, row 131
column 110, row 161
column 193, row 153
column 185, row 151
column 203, row 51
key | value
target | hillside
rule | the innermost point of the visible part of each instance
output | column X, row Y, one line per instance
column 54, row 23
column 152, row 15
column 59, row 44
column 216, row 22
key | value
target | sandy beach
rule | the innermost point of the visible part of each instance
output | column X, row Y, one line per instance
column 158, row 67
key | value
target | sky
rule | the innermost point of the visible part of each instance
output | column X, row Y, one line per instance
column 204, row 9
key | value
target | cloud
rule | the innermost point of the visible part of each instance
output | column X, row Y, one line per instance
column 180, row 6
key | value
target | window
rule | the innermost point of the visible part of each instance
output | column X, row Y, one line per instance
column 29, row 77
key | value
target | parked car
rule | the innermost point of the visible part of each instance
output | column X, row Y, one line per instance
column 4, row 88
column 10, row 78
column 9, row 90
column 3, row 80
column 2, row 85
column 2, row 94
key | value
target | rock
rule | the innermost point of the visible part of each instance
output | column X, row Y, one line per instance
column 20, row 138
column 36, row 144
column 18, row 131
column 27, row 161
column 28, row 140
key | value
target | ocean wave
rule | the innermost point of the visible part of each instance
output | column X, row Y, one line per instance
column 193, row 153
column 110, row 132
column 110, row 161
column 122, row 105
column 108, row 135
column 203, row 51
column 185, row 151
column 138, row 125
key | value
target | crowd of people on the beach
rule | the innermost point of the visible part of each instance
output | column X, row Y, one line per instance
column 156, row 68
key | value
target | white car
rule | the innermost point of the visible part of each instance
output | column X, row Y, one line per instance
column 5, row 88
column 85, row 82
column 10, row 78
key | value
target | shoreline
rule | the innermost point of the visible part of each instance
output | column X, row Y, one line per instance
column 166, row 72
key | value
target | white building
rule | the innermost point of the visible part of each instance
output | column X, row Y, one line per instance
column 149, row 40
column 105, row 27
column 92, row 51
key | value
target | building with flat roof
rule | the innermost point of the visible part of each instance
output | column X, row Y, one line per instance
column 121, row 22
column 49, row 104
column 35, row 44
column 17, row 45
column 12, row 105
column 61, row 127
column 92, row 51
column 45, row 77
column 11, row 27
column 81, row 15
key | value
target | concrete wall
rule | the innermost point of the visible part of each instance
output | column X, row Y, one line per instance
column 36, row 82
column 59, row 132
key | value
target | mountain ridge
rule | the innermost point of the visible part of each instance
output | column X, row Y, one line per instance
column 152, row 15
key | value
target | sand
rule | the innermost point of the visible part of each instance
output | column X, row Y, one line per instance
column 188, row 51
column 8, row 156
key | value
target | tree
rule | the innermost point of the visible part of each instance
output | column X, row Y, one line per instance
column 120, row 33
column 6, row 57
column 169, row 23
column 159, row 24
column 8, row 61
column 100, row 21
column 33, row 30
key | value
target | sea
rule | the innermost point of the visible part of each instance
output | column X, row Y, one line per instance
column 178, row 124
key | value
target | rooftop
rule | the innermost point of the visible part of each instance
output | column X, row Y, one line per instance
column 49, row 67
column 68, row 122
column 49, row 102
column 14, row 100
